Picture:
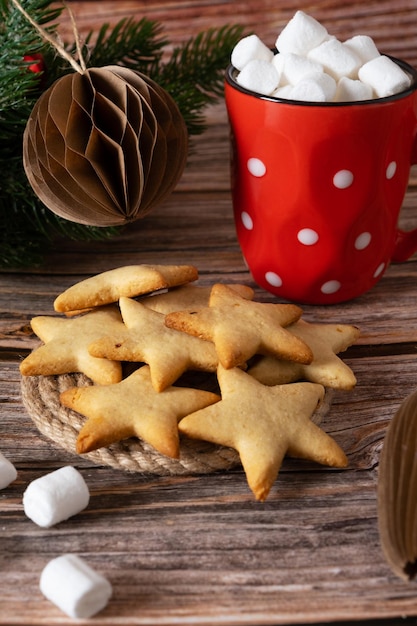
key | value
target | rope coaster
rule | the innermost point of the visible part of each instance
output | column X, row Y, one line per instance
column 40, row 395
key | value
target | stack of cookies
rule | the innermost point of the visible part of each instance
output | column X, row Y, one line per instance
column 271, row 368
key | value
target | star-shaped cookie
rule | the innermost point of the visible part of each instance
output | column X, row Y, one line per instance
column 65, row 348
column 128, row 281
column 326, row 368
column 189, row 296
column 145, row 338
column 240, row 328
column 264, row 424
column 132, row 408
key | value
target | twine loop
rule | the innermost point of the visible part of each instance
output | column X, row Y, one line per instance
column 78, row 67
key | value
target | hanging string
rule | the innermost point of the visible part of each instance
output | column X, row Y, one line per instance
column 76, row 37
column 78, row 67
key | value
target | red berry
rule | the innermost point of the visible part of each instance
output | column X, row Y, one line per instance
column 38, row 64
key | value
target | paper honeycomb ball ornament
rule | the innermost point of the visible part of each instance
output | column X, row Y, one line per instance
column 105, row 146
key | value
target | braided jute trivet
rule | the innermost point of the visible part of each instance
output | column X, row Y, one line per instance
column 40, row 396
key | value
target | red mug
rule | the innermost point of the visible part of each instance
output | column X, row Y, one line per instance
column 317, row 189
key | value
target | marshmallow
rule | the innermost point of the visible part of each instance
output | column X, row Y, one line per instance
column 351, row 71
column 350, row 90
column 55, row 497
column 384, row 76
column 74, row 587
column 301, row 34
column 248, row 49
column 293, row 67
column 363, row 46
column 259, row 76
column 318, row 87
column 283, row 92
column 337, row 59
column 8, row 472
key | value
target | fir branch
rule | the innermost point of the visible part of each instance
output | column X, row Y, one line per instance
column 27, row 228
column 17, row 39
column 205, row 57
column 53, row 40
column 133, row 44
column 193, row 75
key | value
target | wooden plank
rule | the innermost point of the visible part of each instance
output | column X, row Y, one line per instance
column 390, row 22
column 381, row 323
column 199, row 549
column 197, row 228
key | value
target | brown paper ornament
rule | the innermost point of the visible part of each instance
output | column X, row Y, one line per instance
column 103, row 146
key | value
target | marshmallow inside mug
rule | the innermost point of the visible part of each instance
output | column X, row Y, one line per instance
column 309, row 64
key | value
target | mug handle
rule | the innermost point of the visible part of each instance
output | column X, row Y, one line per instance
column 406, row 241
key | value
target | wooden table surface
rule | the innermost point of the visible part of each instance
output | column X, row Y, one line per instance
column 200, row 549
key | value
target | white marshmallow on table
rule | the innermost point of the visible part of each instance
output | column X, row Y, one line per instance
column 292, row 67
column 301, row 34
column 336, row 58
column 56, row 496
column 248, row 49
column 259, row 76
column 317, row 87
column 351, row 90
column 363, row 46
column 384, row 76
column 8, row 472
column 74, row 587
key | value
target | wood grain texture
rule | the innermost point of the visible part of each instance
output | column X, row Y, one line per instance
column 199, row 549
column 383, row 20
